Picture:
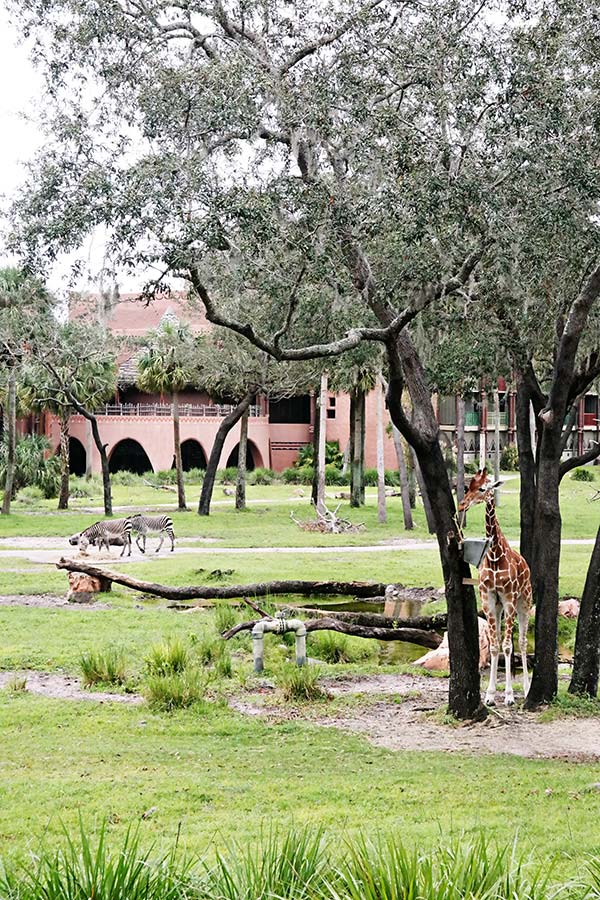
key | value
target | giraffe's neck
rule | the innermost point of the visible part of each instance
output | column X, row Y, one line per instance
column 499, row 544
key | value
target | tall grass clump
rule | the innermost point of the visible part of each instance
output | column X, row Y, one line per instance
column 226, row 616
column 293, row 867
column 78, row 872
column 103, row 667
column 463, row 870
column 300, row 682
column 332, row 647
column 213, row 651
column 169, row 658
column 166, row 693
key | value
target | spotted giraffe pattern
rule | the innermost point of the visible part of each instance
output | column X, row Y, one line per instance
column 505, row 588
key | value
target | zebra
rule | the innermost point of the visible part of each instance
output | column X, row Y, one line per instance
column 142, row 525
column 104, row 532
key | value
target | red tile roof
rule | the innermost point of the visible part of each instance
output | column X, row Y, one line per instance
column 132, row 315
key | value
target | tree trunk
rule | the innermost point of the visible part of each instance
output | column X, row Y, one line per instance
column 346, row 458
column 357, row 484
column 215, row 454
column 546, row 561
column 586, row 659
column 429, row 518
column 404, row 486
column 412, row 480
column 460, row 452
column 381, row 509
column 314, row 490
column 497, row 443
column 464, row 696
column 240, row 483
column 320, row 461
column 63, row 498
column 11, row 439
column 89, row 439
column 101, row 450
column 177, row 451
column 527, row 471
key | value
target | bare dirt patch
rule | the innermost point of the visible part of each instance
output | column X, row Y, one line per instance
column 411, row 721
column 47, row 601
column 61, row 687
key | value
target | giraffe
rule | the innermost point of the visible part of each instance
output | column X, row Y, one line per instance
column 505, row 588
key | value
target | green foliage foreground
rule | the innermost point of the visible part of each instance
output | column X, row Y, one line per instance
column 297, row 865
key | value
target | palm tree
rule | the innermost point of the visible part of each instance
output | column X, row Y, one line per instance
column 165, row 367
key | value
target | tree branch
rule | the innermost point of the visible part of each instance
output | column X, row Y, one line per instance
column 574, row 461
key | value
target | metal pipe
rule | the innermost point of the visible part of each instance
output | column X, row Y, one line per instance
column 278, row 626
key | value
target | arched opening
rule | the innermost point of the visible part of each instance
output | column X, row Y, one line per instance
column 76, row 457
column 192, row 455
column 129, row 456
column 253, row 457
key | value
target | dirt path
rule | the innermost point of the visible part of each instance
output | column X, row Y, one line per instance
column 406, row 722
column 61, row 687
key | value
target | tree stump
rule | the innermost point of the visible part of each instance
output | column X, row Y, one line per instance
column 82, row 588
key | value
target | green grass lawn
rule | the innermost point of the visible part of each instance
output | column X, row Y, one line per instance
column 222, row 775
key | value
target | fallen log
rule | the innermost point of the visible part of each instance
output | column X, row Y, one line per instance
column 410, row 635
column 227, row 592
column 374, row 620
column 160, row 487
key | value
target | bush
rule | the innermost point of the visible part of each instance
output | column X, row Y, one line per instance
column 333, row 455
column 85, row 487
column 103, row 667
column 129, row 479
column 471, row 468
column 169, row 658
column 291, row 476
column 583, row 475
column 31, row 494
column 32, row 467
column 300, row 682
column 194, row 476
column 333, row 475
column 509, row 458
column 332, row 647
column 370, row 477
column 227, row 476
column 176, row 690
column 305, row 475
column 392, row 478
column 261, row 476
column 166, row 476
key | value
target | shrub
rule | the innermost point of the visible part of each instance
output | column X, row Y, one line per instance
column 261, row 476
column 333, row 455
column 333, row 475
column 166, row 476
column 332, row 647
column 194, row 476
column 176, row 690
column 227, row 476
column 31, row 494
column 129, row 479
column 582, row 475
column 85, row 487
column 305, row 475
column 471, row 468
column 103, row 667
column 509, row 458
column 300, row 682
column 291, row 476
column 392, row 478
column 31, row 465
column 370, row 477
column 169, row 658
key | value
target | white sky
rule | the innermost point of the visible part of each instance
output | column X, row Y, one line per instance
column 22, row 90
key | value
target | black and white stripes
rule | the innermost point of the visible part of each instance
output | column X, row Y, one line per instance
column 145, row 525
column 119, row 531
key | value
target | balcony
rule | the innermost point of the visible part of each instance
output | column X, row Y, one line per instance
column 502, row 420
column 189, row 410
column 471, row 420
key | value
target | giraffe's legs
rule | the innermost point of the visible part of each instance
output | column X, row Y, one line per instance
column 523, row 616
column 507, row 646
column 492, row 609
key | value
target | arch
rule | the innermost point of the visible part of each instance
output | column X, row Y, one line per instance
column 192, row 455
column 253, row 457
column 77, row 457
column 129, row 456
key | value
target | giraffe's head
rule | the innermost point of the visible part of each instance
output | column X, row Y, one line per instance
column 480, row 487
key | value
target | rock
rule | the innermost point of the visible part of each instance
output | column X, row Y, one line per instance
column 82, row 588
column 568, row 608
column 438, row 660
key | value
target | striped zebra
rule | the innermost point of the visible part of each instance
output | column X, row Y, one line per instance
column 142, row 525
column 107, row 532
